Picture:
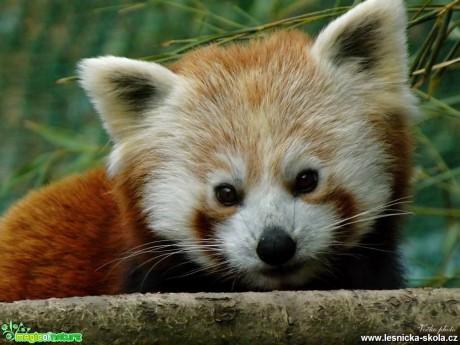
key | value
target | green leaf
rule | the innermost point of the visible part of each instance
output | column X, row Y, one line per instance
column 28, row 171
column 62, row 138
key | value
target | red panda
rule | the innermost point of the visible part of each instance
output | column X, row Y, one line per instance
column 283, row 163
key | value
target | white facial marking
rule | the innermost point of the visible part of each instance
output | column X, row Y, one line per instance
column 269, row 205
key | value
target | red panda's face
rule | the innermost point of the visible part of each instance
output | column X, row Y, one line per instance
column 264, row 192
column 264, row 159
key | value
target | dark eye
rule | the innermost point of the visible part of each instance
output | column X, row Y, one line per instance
column 227, row 194
column 306, row 181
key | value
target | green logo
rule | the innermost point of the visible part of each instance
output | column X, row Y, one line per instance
column 20, row 333
column 10, row 330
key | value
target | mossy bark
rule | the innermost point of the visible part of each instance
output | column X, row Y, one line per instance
column 304, row 317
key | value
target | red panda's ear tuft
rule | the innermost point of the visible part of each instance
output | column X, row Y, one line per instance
column 370, row 38
column 123, row 90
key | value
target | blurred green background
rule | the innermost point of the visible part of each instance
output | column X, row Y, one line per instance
column 48, row 128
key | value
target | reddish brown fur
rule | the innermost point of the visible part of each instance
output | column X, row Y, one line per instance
column 345, row 204
column 75, row 229
column 395, row 133
column 70, row 262
column 204, row 226
column 205, row 220
column 215, row 69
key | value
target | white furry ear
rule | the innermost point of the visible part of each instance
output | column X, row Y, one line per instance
column 122, row 90
column 370, row 38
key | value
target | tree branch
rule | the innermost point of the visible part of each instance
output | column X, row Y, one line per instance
column 306, row 317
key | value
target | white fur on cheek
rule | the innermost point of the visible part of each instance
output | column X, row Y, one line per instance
column 169, row 200
column 359, row 166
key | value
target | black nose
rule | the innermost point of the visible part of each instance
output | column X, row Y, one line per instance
column 275, row 247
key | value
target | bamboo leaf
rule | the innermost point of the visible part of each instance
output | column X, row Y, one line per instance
column 61, row 138
column 27, row 171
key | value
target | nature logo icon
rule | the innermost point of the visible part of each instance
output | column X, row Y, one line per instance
column 10, row 330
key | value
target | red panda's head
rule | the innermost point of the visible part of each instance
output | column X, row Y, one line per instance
column 261, row 159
